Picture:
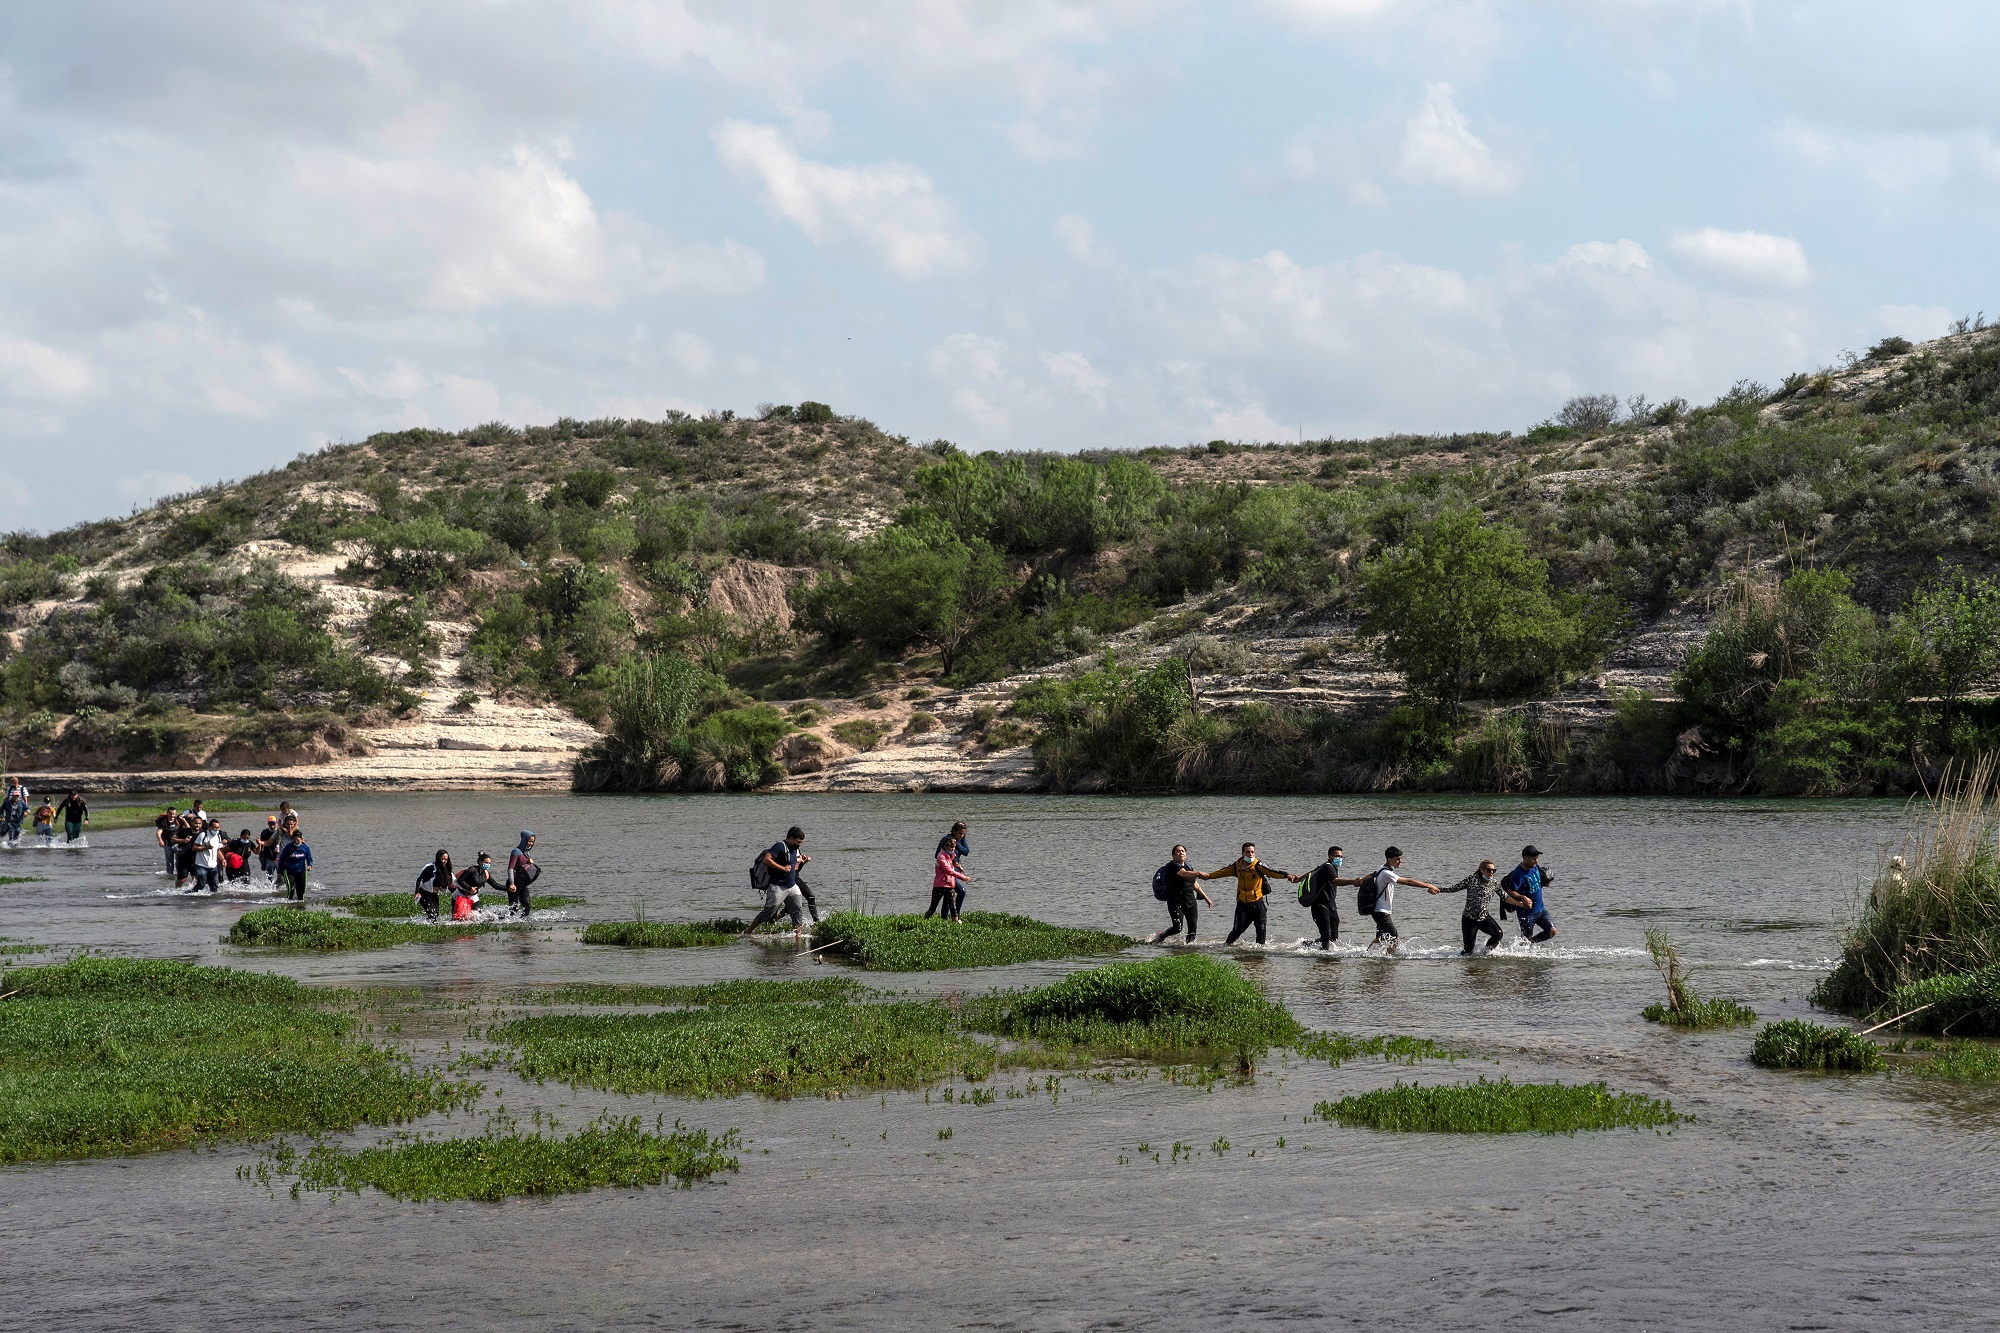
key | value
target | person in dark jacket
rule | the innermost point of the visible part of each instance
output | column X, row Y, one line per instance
column 1320, row 899
column 294, row 860
column 1476, row 919
column 432, row 880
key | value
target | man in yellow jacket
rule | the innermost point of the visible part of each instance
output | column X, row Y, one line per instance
column 1250, row 874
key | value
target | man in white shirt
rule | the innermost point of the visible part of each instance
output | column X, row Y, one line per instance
column 1385, row 881
column 208, row 856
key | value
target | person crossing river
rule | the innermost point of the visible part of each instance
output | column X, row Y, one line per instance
column 1318, row 896
column 1177, row 885
column 1250, row 875
column 1376, row 897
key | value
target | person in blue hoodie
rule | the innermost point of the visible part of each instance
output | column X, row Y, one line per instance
column 294, row 860
column 1522, row 890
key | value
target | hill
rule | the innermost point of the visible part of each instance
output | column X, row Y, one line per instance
column 802, row 599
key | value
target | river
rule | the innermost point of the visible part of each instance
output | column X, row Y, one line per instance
column 1789, row 1202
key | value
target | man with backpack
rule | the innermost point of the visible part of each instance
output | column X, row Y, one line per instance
column 1177, row 884
column 776, row 872
column 1317, row 896
column 1522, row 890
column 1250, row 875
column 1376, row 897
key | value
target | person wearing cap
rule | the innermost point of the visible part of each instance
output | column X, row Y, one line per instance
column 1382, row 909
column 268, row 843
column 1522, row 891
column 163, row 833
column 522, row 872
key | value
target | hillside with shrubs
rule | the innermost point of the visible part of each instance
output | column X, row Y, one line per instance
column 734, row 601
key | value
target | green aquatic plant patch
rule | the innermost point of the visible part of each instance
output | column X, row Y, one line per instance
column 913, row 943
column 1794, row 1043
column 1963, row 1003
column 24, row 879
column 323, row 932
column 1173, row 1006
column 398, row 906
column 1498, row 1106
column 666, row 934
column 502, row 1164
column 773, row 1050
column 1954, row 1061
column 103, row 1056
column 1337, row 1048
column 818, row 990
column 1698, row 1012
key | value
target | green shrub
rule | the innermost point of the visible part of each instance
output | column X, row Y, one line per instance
column 1500, row 1107
column 1179, row 1005
column 914, row 943
column 1794, row 1043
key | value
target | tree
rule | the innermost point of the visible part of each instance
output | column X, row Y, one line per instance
column 916, row 584
column 1952, row 624
column 1461, row 600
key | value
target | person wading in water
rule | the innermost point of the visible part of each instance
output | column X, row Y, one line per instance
column 1177, row 884
column 1250, row 874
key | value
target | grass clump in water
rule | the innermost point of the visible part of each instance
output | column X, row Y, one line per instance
column 1934, row 912
column 707, row 993
column 1500, row 1107
column 1685, row 1009
column 1794, row 1043
column 397, row 906
column 110, row 1056
column 1174, row 1006
column 666, row 934
column 1956, row 1061
column 503, row 1163
column 773, row 1050
column 1963, row 1002
column 323, row 932
column 912, row 943
column 1337, row 1048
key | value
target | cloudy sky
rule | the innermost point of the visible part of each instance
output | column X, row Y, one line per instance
column 231, row 230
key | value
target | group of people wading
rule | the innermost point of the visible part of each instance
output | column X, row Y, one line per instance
column 194, row 847
column 1518, row 893
column 438, row 878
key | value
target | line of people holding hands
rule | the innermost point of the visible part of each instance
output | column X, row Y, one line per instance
column 1485, row 891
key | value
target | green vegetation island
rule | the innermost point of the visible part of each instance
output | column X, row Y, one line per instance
column 1788, row 591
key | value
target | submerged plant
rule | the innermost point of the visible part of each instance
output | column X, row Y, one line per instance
column 706, row 993
column 1683, row 1007
column 501, row 1164
column 1794, row 1043
column 911, row 943
column 666, row 934
column 1500, row 1107
column 1957, row 1061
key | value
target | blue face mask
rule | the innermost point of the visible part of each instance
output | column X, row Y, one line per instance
column 1337, row 862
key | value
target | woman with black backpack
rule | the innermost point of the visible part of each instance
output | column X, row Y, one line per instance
column 1177, row 885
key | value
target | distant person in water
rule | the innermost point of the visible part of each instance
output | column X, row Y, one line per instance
column 268, row 843
column 208, row 842
column 1523, row 891
column 1383, row 903
column 432, row 880
column 186, row 829
column 469, row 883
column 1319, row 897
column 13, row 809
column 522, row 872
column 76, row 816
column 1178, row 884
column 45, row 820
column 294, row 860
column 1476, row 919
column 948, row 893
column 1250, row 875
column 236, row 856
column 781, row 862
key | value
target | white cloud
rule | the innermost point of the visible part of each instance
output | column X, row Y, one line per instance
column 1747, row 256
column 34, row 370
column 1074, row 370
column 1439, row 148
column 1895, row 162
column 1329, row 14
column 690, row 353
column 1078, row 235
column 891, row 207
column 971, row 367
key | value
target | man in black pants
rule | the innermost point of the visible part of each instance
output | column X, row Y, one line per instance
column 1250, row 874
column 1319, row 897
column 1181, row 893
column 1476, row 920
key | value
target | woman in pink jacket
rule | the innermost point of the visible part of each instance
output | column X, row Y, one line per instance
column 946, row 877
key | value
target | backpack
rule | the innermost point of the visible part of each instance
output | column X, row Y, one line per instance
column 1314, row 887
column 1164, row 880
column 760, row 874
column 1367, row 894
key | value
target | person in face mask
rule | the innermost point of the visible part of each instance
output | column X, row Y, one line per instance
column 521, row 873
column 1479, row 889
column 467, row 884
column 1250, row 875
column 1318, row 896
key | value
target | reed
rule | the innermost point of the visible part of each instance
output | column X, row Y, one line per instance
column 1794, row 1043
column 912, row 943
column 504, row 1163
column 296, row 929
column 108, row 1056
column 1684, row 1008
column 1499, row 1106
column 1935, row 910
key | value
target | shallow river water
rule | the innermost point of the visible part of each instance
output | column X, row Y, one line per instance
column 1790, row 1202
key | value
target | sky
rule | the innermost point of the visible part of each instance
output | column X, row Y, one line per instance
column 232, row 231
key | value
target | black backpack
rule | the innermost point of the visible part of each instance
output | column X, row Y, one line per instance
column 1367, row 893
column 1164, row 881
column 760, row 874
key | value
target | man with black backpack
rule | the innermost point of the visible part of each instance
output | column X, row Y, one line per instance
column 776, row 872
column 1376, row 897
column 1317, row 896
column 1178, row 884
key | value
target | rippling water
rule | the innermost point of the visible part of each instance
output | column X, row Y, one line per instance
column 1791, row 1202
